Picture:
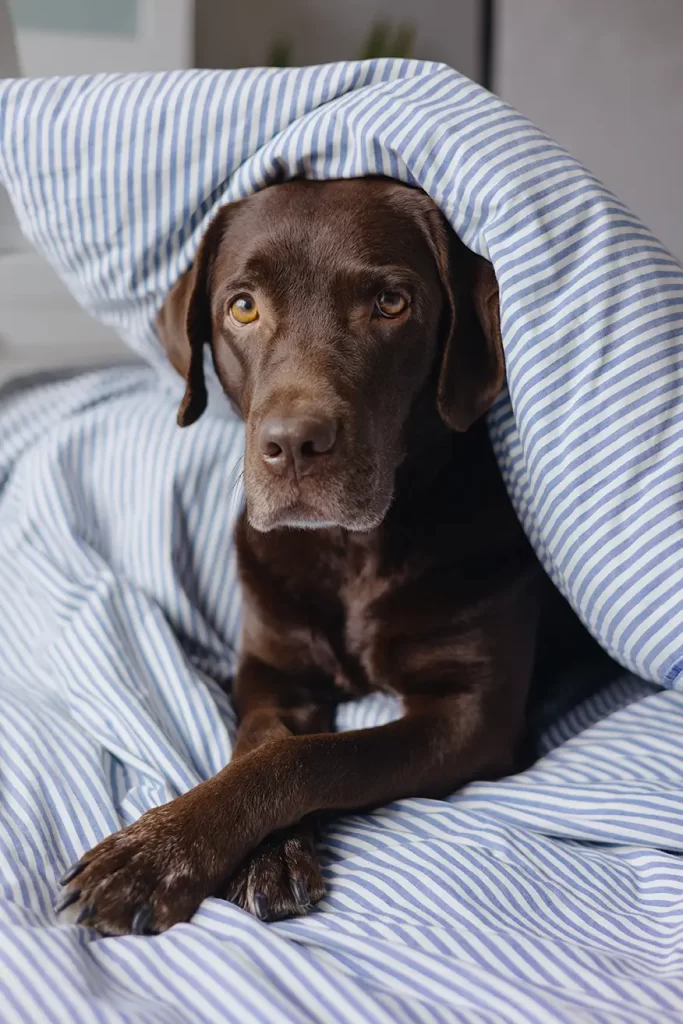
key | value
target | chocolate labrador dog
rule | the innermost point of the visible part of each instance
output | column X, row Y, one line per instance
column 360, row 342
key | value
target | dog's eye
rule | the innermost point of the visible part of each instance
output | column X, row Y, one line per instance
column 390, row 303
column 244, row 309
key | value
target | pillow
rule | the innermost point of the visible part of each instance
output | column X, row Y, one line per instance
column 115, row 178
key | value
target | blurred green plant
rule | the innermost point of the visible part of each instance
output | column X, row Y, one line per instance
column 383, row 40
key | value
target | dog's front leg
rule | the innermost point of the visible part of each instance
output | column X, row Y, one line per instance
column 282, row 876
column 156, row 872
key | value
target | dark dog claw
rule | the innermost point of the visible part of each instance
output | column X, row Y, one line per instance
column 67, row 899
column 71, row 873
column 142, row 920
column 301, row 893
column 261, row 906
column 86, row 913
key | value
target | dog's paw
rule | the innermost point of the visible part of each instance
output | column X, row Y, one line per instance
column 141, row 880
column 280, row 878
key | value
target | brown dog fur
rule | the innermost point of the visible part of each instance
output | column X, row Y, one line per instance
column 390, row 561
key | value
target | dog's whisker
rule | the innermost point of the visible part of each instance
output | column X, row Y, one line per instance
column 236, row 495
column 235, row 472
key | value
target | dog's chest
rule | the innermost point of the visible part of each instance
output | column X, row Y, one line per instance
column 360, row 652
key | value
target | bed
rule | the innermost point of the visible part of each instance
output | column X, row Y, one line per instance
column 554, row 895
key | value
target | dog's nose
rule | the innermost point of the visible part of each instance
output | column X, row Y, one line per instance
column 296, row 442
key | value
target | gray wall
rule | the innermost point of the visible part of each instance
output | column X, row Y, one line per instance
column 9, row 65
column 239, row 33
column 605, row 79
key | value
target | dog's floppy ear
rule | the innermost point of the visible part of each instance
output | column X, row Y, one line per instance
column 472, row 370
column 185, row 323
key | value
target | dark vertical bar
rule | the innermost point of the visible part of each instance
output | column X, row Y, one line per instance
column 488, row 15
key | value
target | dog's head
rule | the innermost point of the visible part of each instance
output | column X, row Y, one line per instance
column 337, row 312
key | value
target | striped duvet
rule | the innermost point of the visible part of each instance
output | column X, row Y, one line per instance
column 556, row 895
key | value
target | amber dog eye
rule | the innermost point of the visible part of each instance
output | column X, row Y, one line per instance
column 244, row 310
column 390, row 303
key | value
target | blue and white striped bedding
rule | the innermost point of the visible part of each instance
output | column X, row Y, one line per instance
column 553, row 896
